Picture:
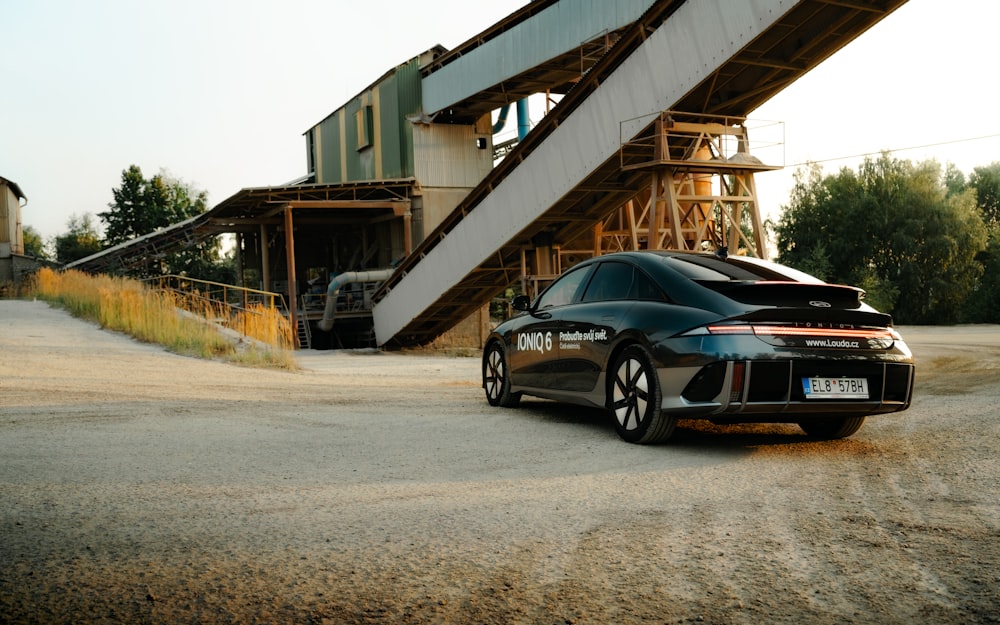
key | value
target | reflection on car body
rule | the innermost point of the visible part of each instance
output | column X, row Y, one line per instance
column 657, row 336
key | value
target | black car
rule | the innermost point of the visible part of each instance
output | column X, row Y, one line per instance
column 656, row 336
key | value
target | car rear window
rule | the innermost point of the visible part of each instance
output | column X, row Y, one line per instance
column 783, row 271
column 711, row 269
column 703, row 268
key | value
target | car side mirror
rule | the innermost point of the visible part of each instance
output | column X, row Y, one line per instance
column 521, row 303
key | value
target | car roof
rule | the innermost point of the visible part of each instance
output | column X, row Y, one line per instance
column 735, row 267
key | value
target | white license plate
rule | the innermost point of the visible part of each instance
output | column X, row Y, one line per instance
column 835, row 388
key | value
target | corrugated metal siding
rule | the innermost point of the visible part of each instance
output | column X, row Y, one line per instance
column 360, row 163
column 329, row 139
column 390, row 154
column 310, row 137
column 8, row 217
column 556, row 30
column 387, row 124
column 446, row 156
column 409, row 102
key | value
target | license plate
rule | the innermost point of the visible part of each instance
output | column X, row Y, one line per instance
column 835, row 388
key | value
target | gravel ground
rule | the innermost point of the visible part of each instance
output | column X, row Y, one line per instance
column 137, row 486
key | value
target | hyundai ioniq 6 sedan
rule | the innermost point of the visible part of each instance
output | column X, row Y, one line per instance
column 654, row 337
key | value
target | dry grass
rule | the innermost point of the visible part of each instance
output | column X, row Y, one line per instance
column 151, row 316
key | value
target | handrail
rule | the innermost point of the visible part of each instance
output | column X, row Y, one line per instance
column 233, row 296
column 259, row 314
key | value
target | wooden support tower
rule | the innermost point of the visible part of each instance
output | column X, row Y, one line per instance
column 701, row 192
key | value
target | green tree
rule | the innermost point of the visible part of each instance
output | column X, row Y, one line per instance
column 984, row 303
column 142, row 206
column 80, row 241
column 33, row 244
column 814, row 233
column 905, row 232
column 954, row 179
column 986, row 182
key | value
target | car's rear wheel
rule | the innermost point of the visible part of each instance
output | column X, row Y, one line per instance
column 830, row 428
column 496, row 378
column 635, row 399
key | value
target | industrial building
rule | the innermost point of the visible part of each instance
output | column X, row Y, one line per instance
column 414, row 213
column 15, row 266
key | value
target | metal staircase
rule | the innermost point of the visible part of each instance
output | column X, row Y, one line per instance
column 715, row 57
column 303, row 333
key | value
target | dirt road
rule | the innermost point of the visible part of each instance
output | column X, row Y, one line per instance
column 142, row 487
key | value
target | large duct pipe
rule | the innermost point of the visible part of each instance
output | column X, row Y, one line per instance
column 501, row 119
column 523, row 120
column 326, row 323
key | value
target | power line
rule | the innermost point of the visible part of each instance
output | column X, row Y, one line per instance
column 915, row 147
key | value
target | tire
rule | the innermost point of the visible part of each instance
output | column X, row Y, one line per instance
column 496, row 377
column 634, row 398
column 831, row 428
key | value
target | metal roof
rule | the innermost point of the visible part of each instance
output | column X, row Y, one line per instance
column 432, row 53
column 248, row 209
column 14, row 188
column 548, row 52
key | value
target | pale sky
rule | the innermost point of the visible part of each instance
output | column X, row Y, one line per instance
column 218, row 93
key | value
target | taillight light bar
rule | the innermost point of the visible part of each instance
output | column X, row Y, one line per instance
column 776, row 330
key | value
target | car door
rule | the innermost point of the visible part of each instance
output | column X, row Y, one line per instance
column 587, row 329
column 534, row 343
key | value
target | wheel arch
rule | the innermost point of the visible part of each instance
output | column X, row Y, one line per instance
column 623, row 344
column 491, row 340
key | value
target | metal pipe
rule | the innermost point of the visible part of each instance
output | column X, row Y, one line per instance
column 523, row 120
column 501, row 119
column 326, row 323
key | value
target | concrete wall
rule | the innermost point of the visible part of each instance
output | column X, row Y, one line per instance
column 15, row 271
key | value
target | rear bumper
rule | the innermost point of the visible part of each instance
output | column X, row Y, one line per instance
column 771, row 390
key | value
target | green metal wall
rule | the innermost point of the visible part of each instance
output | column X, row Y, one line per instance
column 334, row 141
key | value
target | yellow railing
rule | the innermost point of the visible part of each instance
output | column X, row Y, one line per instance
column 258, row 314
column 233, row 296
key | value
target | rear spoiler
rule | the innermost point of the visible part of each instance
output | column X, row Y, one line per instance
column 792, row 294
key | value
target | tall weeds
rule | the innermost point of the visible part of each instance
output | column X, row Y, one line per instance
column 152, row 316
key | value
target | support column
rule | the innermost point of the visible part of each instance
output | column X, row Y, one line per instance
column 265, row 261
column 758, row 225
column 241, row 268
column 407, row 234
column 293, row 289
column 653, row 231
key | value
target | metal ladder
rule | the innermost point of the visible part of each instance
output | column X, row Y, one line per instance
column 304, row 334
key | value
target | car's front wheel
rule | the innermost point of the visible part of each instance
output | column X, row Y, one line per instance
column 635, row 399
column 830, row 428
column 496, row 378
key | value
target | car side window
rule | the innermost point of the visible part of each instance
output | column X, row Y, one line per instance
column 644, row 288
column 563, row 291
column 611, row 281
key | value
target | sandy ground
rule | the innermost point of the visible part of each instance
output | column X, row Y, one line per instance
column 137, row 486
